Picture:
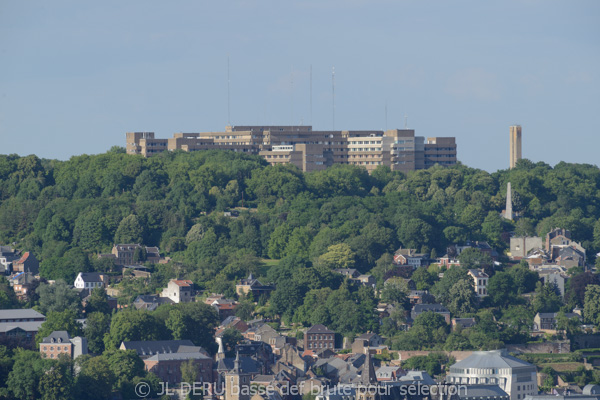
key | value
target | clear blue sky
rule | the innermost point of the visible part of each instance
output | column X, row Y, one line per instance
column 75, row 76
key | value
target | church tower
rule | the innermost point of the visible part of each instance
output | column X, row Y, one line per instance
column 367, row 386
column 237, row 382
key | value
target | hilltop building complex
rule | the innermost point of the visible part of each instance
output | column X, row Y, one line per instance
column 310, row 150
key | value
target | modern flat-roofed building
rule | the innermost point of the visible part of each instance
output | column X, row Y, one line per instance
column 516, row 377
column 310, row 150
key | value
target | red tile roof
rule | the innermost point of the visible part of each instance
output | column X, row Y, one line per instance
column 23, row 259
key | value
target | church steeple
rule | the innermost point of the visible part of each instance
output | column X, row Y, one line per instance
column 236, row 364
column 368, row 376
column 237, row 381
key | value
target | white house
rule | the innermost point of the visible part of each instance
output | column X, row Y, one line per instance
column 90, row 280
column 480, row 280
column 179, row 291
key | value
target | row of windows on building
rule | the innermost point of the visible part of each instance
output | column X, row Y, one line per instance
column 320, row 337
column 320, row 345
column 58, row 348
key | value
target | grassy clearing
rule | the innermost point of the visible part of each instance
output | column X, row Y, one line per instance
column 562, row 366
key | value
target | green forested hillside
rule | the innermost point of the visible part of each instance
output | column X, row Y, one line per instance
column 67, row 212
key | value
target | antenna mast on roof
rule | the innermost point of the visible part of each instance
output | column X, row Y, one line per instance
column 228, row 100
column 386, row 115
column 292, row 96
column 333, row 96
column 311, row 94
column 405, row 121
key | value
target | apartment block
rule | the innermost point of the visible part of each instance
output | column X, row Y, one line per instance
column 310, row 150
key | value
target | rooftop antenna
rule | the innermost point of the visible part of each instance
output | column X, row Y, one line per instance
column 228, row 99
column 311, row 94
column 386, row 115
column 405, row 121
column 333, row 96
column 292, row 95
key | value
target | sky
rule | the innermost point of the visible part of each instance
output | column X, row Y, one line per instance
column 76, row 76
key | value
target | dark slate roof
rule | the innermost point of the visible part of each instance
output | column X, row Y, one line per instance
column 179, row 356
column 570, row 252
column 465, row 322
column 20, row 313
column 248, row 364
column 482, row 391
column 90, row 276
column 367, row 336
column 29, row 326
column 420, row 308
column 319, row 328
column 149, row 348
column 478, row 274
column 367, row 375
column 357, row 360
column 57, row 337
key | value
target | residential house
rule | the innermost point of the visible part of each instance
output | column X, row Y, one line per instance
column 483, row 247
column 555, row 276
column 27, row 263
column 179, row 291
column 21, row 282
column 232, row 322
column 150, row 302
column 521, row 246
column 389, row 373
column 290, row 356
column 252, row 286
column 366, row 280
column 448, row 261
column 319, row 337
column 60, row 342
column 90, row 280
column 371, row 338
column 420, row 297
column 86, row 294
column 225, row 308
column 124, row 254
column 410, row 257
column 557, row 237
column 418, row 309
column 7, row 256
column 463, row 323
column 210, row 299
column 480, row 282
column 547, row 321
column 348, row 272
column 368, row 343
column 569, row 257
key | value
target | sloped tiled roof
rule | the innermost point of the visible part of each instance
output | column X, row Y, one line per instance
column 57, row 337
column 319, row 328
